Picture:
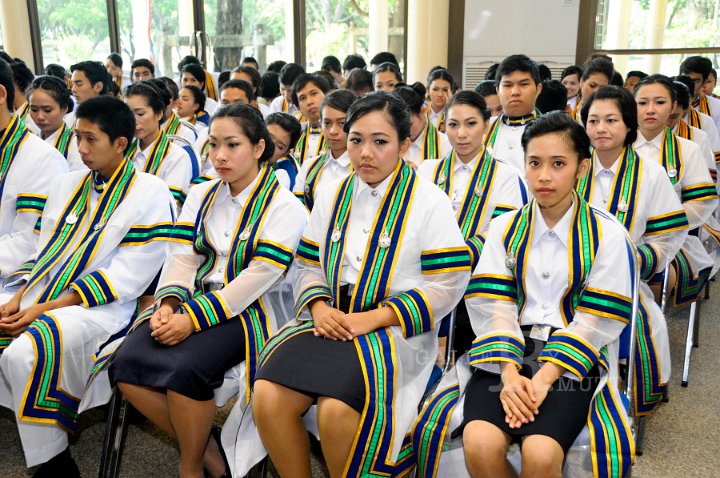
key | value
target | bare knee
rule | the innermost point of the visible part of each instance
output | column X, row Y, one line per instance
column 485, row 447
column 271, row 400
column 541, row 457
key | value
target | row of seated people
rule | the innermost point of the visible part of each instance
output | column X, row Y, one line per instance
column 377, row 269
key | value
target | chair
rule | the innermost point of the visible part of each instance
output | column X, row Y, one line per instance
column 189, row 148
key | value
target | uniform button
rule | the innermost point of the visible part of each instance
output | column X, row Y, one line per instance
column 366, row 230
column 546, row 275
column 512, row 146
column 604, row 201
column 358, row 258
column 221, row 270
column 223, row 254
column 545, row 306
column 551, row 233
column 227, row 233
column 374, row 192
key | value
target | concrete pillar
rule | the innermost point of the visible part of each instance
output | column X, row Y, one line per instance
column 378, row 27
column 186, row 22
column 141, row 29
column 658, row 10
column 427, row 37
column 16, row 30
column 618, row 33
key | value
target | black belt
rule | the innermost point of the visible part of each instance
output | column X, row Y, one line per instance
column 345, row 298
column 212, row 286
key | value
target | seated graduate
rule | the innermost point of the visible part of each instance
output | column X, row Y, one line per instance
column 570, row 78
column 193, row 74
column 488, row 91
column 101, row 244
column 367, row 339
column 152, row 151
column 479, row 187
column 190, row 106
column 638, row 192
column 285, row 130
column 597, row 72
column 548, row 301
column 171, row 124
column 440, row 87
column 233, row 242
column 29, row 166
column 23, row 76
column 284, row 103
column 308, row 92
column 324, row 170
column 386, row 77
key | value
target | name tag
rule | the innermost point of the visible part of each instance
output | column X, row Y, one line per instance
column 540, row 332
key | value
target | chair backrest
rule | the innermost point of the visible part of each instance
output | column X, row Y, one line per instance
column 191, row 126
column 185, row 144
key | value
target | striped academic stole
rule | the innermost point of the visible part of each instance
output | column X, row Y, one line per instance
column 473, row 209
column 207, row 310
column 625, row 186
column 173, row 124
column 11, row 140
column 671, row 156
column 71, row 227
column 441, row 120
column 702, row 104
column 372, row 447
column 494, row 129
column 63, row 140
column 210, row 87
column 301, row 148
column 694, row 119
column 431, row 142
column 307, row 196
column 684, row 130
column 24, row 110
column 201, row 117
column 160, row 149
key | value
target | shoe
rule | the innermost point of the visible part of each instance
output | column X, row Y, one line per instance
column 59, row 466
column 215, row 435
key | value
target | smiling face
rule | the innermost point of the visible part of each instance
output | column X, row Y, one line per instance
column 465, row 127
column 385, row 81
column 605, row 126
column 572, row 83
column 233, row 155
column 518, row 92
column 654, row 105
column 46, row 112
column 440, row 92
column 147, row 122
column 333, row 122
column 552, row 167
column 374, row 147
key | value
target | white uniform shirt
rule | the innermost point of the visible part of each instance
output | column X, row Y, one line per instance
column 276, row 106
column 74, row 160
column 175, row 170
column 332, row 170
column 507, row 147
column 415, row 153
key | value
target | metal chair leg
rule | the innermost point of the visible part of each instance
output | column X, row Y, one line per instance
column 640, row 437
column 115, row 433
column 707, row 290
column 689, row 342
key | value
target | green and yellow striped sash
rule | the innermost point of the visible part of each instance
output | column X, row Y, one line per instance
column 160, row 149
column 63, row 140
column 173, row 124
column 10, row 142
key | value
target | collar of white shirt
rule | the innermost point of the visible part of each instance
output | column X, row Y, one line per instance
column 599, row 168
column 561, row 229
column 362, row 188
column 239, row 200
column 343, row 160
column 145, row 153
column 470, row 164
column 656, row 142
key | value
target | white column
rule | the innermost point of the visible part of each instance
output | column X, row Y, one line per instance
column 378, row 26
column 16, row 30
column 427, row 37
column 141, row 29
column 186, row 22
column 658, row 9
column 619, row 31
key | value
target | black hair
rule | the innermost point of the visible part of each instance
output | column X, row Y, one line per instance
column 412, row 95
column 682, row 93
column 276, row 66
column 163, row 89
column 559, row 122
column 658, row 79
column 491, row 72
column 359, row 79
column 598, row 65
column 328, row 78
column 171, row 86
column 54, row 69
column 251, row 123
column 151, row 92
column 116, row 59
column 713, row 73
column 687, row 81
column 56, row 88
column 388, row 66
column 290, row 72
column 339, row 100
column 625, row 102
column 240, row 85
column 198, row 95
column 553, row 97
column 545, row 72
column 384, row 57
column 696, row 64
column 95, row 72
column 142, row 62
column 112, row 88
column 617, row 79
column 486, row 88
column 113, row 117
column 223, row 77
column 4, row 56
column 252, row 73
column 287, row 122
column 637, row 74
column 397, row 111
column 188, row 60
column 469, row 98
column 303, row 80
column 442, row 74
column 22, row 74
column 353, row 61
column 250, row 59
column 7, row 81
column 331, row 63
column 517, row 63
column 269, row 85
column 197, row 71
column 571, row 70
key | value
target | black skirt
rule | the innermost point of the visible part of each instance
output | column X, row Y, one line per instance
column 563, row 413
column 318, row 367
column 194, row 367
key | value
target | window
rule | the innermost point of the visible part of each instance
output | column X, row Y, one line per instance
column 73, row 30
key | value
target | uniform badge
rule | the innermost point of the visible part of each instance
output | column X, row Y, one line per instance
column 384, row 240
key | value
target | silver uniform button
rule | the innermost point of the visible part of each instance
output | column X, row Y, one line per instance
column 71, row 218
column 366, row 230
column 546, row 275
column 221, row 270
column 551, row 233
column 512, row 146
column 545, row 306
column 358, row 258
column 227, row 233
column 672, row 172
column 374, row 192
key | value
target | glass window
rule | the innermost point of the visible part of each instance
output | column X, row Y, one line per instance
column 634, row 24
column 337, row 27
column 159, row 30
column 73, row 30
column 262, row 29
